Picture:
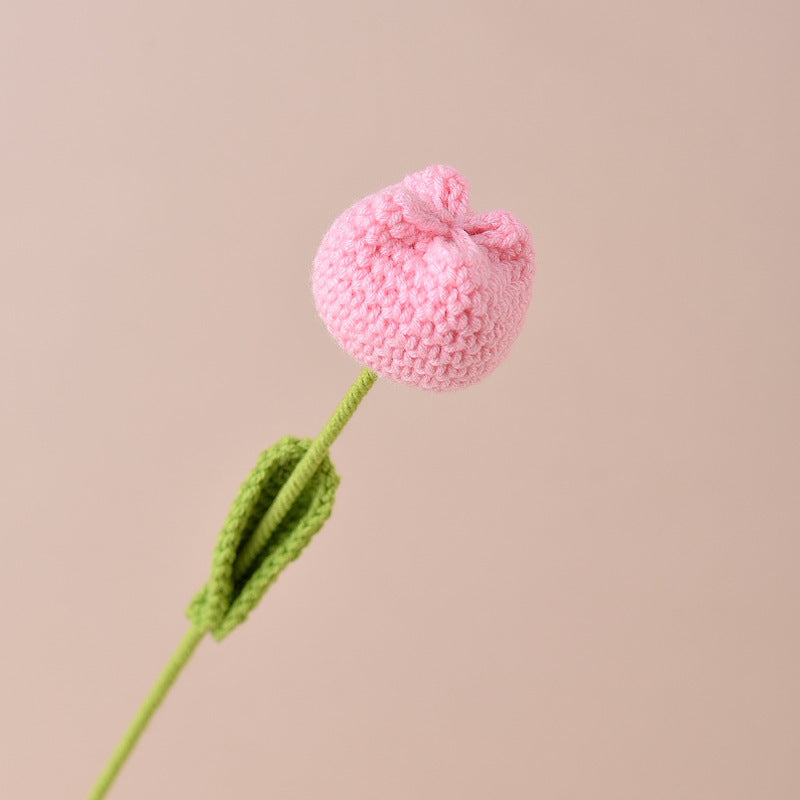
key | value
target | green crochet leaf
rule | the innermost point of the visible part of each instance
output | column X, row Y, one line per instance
column 225, row 601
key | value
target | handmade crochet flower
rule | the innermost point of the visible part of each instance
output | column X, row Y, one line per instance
column 420, row 288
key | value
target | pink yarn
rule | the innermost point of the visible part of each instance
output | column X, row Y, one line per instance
column 421, row 289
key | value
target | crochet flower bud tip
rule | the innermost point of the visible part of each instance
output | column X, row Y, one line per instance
column 420, row 288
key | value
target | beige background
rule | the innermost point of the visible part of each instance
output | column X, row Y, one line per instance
column 576, row 580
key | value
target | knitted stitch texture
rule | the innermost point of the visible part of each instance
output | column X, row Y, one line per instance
column 231, row 594
column 419, row 287
column 285, row 500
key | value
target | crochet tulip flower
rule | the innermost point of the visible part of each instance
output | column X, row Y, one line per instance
column 419, row 288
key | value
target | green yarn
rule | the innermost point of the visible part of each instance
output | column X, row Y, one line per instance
column 237, row 584
column 178, row 661
column 284, row 501
column 315, row 454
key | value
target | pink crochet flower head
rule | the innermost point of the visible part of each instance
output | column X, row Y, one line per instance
column 420, row 288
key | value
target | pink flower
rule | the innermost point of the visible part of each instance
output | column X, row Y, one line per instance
column 420, row 288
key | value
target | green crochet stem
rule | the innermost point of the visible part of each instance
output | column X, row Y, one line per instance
column 253, row 549
column 290, row 490
column 178, row 661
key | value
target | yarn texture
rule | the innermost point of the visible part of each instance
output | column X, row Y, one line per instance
column 420, row 288
column 232, row 593
column 285, row 500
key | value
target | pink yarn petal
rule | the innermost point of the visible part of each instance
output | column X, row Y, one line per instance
column 419, row 288
column 443, row 187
